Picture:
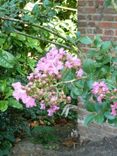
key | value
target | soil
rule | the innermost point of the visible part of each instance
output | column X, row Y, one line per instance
column 69, row 145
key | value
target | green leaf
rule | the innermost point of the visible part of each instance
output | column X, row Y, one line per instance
column 90, row 107
column 97, row 41
column 75, row 92
column 89, row 83
column 3, row 105
column 92, row 53
column 36, row 10
column 109, row 116
column 2, row 40
column 85, row 40
column 107, row 3
column 106, row 45
column 15, row 104
column 99, row 118
column 7, row 60
column 3, row 85
column 89, row 119
column 67, row 75
column 89, row 66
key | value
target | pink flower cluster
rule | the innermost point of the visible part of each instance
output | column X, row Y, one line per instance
column 20, row 94
column 54, row 62
column 100, row 90
column 42, row 82
column 114, row 109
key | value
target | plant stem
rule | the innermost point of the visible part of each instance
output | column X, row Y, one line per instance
column 44, row 40
column 65, row 82
column 60, row 7
column 35, row 25
column 69, row 81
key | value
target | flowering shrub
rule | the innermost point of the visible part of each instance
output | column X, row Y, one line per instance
column 102, row 104
column 100, row 89
column 46, row 84
column 60, row 77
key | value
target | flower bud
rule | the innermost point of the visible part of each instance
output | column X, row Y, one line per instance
column 68, row 99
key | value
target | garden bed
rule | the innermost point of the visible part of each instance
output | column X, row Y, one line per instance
column 104, row 147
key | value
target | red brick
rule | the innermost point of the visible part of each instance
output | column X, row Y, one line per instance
column 90, row 31
column 81, row 3
column 91, row 24
column 89, row 17
column 107, row 38
column 109, row 32
column 108, row 18
column 115, row 18
column 91, row 3
column 98, row 31
column 109, row 11
column 87, row 10
column 82, row 24
column 97, row 17
column 81, row 17
column 107, row 25
column 115, row 39
column 82, row 30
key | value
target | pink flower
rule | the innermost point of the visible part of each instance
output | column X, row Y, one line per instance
column 100, row 89
column 43, row 106
column 73, row 60
column 114, row 109
column 68, row 64
column 79, row 73
column 76, row 62
column 51, row 64
column 28, row 101
column 52, row 110
column 55, row 108
column 16, row 85
column 20, row 94
column 53, row 99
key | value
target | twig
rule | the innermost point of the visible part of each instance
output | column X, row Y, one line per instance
column 61, row 7
column 44, row 40
column 65, row 82
column 35, row 25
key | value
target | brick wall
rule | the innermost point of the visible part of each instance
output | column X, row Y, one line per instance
column 94, row 18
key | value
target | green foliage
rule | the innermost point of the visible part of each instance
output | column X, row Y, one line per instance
column 7, row 60
column 85, row 40
column 99, row 65
column 27, row 30
column 12, row 125
column 44, row 134
column 107, row 3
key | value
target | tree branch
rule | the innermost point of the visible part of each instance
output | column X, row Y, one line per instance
column 35, row 25
column 67, row 82
column 61, row 7
column 41, row 39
